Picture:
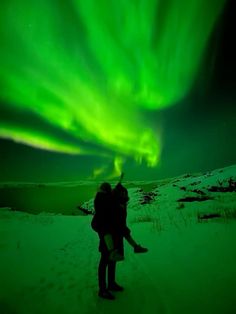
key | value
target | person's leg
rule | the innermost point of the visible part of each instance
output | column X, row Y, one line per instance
column 137, row 247
column 111, row 273
column 131, row 241
column 103, row 292
column 118, row 243
column 102, row 271
column 112, row 285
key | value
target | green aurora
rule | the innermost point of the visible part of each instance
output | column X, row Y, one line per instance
column 91, row 68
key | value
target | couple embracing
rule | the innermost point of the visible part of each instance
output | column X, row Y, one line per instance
column 109, row 222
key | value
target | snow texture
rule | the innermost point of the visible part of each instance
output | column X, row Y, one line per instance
column 48, row 261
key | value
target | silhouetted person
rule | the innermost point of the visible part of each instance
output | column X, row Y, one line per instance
column 120, row 229
column 120, row 201
column 103, row 224
column 109, row 222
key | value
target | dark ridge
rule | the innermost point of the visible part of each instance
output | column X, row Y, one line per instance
column 199, row 192
column 208, row 216
column 148, row 198
column 230, row 188
column 85, row 210
column 195, row 199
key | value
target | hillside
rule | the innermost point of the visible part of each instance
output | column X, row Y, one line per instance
column 48, row 261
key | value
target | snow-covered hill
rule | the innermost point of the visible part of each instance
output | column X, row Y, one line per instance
column 198, row 197
column 48, row 262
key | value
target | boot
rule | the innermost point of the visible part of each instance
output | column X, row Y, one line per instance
column 115, row 287
column 139, row 249
column 105, row 294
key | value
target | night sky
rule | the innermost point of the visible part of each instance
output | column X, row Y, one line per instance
column 87, row 91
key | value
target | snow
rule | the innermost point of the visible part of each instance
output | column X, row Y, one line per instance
column 48, row 262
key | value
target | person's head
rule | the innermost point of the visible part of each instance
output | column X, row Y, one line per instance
column 105, row 187
column 121, row 193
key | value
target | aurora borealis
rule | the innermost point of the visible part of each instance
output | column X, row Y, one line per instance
column 91, row 69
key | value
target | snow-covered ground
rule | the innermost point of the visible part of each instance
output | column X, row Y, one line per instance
column 48, row 262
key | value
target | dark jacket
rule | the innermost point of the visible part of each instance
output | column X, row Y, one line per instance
column 102, row 219
column 110, row 217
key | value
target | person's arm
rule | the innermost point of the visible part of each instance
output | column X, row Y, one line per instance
column 121, row 177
